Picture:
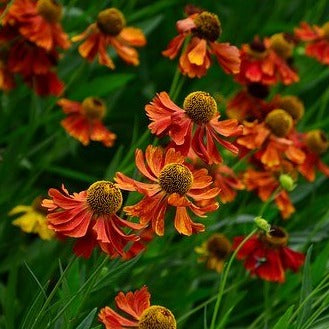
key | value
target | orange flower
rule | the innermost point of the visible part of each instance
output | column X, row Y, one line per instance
column 263, row 64
column 204, row 29
column 38, row 22
column 140, row 313
column 265, row 183
column 110, row 30
column 227, row 181
column 172, row 183
column 249, row 104
column 272, row 139
column 316, row 38
column 84, row 121
column 90, row 217
column 199, row 111
column 267, row 255
column 314, row 143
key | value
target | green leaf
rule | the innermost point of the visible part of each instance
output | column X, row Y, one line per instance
column 283, row 322
column 88, row 320
column 306, row 290
column 101, row 85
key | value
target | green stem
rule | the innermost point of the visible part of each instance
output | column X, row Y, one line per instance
column 224, row 278
column 269, row 200
column 266, row 303
column 174, row 83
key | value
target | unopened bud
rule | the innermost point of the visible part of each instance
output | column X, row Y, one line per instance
column 287, row 182
column 262, row 224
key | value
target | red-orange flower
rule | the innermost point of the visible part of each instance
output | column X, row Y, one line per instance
column 267, row 255
column 172, row 183
column 84, row 121
column 203, row 29
column 110, row 30
column 249, row 104
column 263, row 64
column 265, row 183
column 196, row 126
column 271, row 139
column 314, row 143
column 317, row 41
column 45, row 84
column 90, row 217
column 38, row 22
column 140, row 313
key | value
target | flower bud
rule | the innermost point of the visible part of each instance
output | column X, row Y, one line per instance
column 262, row 224
column 287, row 182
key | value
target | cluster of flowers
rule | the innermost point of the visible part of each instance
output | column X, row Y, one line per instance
column 188, row 174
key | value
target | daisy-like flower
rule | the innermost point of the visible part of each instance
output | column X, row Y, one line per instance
column 316, row 39
column 214, row 251
column 203, row 29
column 267, row 256
column 314, row 143
column 172, row 183
column 249, row 104
column 32, row 219
column 39, row 22
column 110, row 29
column 271, row 139
column 84, row 121
column 263, row 63
column 265, row 183
column 140, row 313
column 91, row 217
column 196, row 126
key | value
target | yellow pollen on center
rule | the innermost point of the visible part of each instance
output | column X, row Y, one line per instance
column 111, row 21
column 207, row 26
column 175, row 178
column 317, row 141
column 280, row 122
column 93, row 108
column 293, row 105
column 157, row 317
column 50, row 10
column 104, row 198
column 281, row 45
column 200, row 107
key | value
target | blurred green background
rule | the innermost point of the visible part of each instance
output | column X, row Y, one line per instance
column 36, row 154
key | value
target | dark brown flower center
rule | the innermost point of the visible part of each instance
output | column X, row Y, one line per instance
column 317, row 141
column 175, row 178
column 257, row 46
column 200, row 107
column 111, row 21
column 280, row 122
column 258, row 90
column 207, row 26
column 50, row 10
column 104, row 198
column 293, row 105
column 218, row 246
column 157, row 317
column 277, row 236
column 93, row 108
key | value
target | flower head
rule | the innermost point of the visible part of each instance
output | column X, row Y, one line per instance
column 195, row 127
column 141, row 314
column 110, row 29
column 214, row 251
column 316, row 39
column 267, row 256
column 38, row 22
column 262, row 61
column 172, row 183
column 91, row 217
column 33, row 219
column 203, row 29
column 84, row 120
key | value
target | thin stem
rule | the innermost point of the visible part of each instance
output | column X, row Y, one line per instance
column 224, row 278
column 269, row 200
column 174, row 82
column 266, row 303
